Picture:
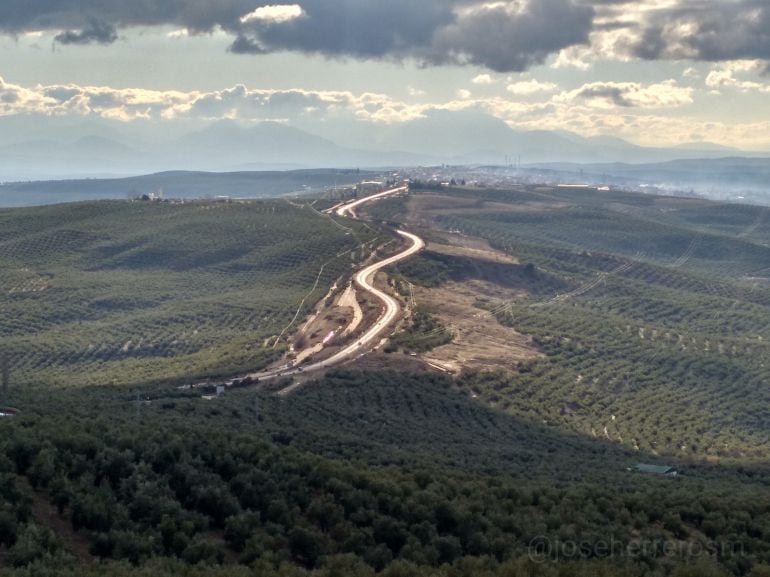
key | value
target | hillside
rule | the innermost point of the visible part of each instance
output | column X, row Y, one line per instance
column 177, row 184
column 652, row 313
column 127, row 293
column 596, row 331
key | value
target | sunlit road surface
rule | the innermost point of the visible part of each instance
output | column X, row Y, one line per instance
column 365, row 279
column 349, row 207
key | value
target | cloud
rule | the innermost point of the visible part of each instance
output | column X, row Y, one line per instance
column 19, row 16
column 528, row 87
column 587, row 110
column 507, row 35
column 500, row 35
column 277, row 13
column 666, row 94
column 578, row 57
column 511, row 36
column 723, row 76
column 96, row 32
column 16, row 99
column 237, row 102
column 483, row 79
column 693, row 30
column 394, row 29
column 703, row 30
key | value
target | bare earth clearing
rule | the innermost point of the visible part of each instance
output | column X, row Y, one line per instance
column 423, row 207
column 479, row 341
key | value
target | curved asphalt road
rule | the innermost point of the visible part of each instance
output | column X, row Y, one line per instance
column 348, row 207
column 364, row 278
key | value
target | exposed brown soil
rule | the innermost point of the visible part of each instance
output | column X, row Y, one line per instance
column 389, row 361
column 422, row 207
column 479, row 340
column 482, row 251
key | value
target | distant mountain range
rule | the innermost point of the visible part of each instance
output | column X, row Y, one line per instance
column 54, row 148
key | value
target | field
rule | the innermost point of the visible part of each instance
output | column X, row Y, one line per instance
column 178, row 184
column 127, row 293
column 358, row 472
column 608, row 330
column 653, row 313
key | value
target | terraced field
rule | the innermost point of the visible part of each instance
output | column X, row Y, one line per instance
column 119, row 292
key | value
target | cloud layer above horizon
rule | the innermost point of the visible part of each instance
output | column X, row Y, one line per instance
column 619, row 108
column 651, row 71
column 502, row 36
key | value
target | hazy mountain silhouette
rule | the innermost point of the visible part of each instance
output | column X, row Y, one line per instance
column 94, row 146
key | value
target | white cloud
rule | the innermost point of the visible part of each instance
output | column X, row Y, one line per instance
column 464, row 94
column 483, row 79
column 276, row 13
column 528, row 87
column 238, row 102
column 590, row 110
column 16, row 99
column 723, row 76
column 579, row 57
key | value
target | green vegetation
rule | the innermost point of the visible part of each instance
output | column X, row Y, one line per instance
column 423, row 333
column 387, row 209
column 126, row 293
column 179, row 184
column 652, row 312
column 421, row 480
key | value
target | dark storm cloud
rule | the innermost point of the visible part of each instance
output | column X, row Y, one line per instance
column 614, row 94
column 360, row 28
column 508, row 40
column 18, row 16
column 244, row 45
column 504, row 36
column 95, row 33
column 707, row 30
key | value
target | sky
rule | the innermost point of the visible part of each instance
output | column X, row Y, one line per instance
column 655, row 72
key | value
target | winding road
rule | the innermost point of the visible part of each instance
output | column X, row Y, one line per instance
column 348, row 207
column 365, row 279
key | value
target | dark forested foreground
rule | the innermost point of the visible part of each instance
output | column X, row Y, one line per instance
column 359, row 473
